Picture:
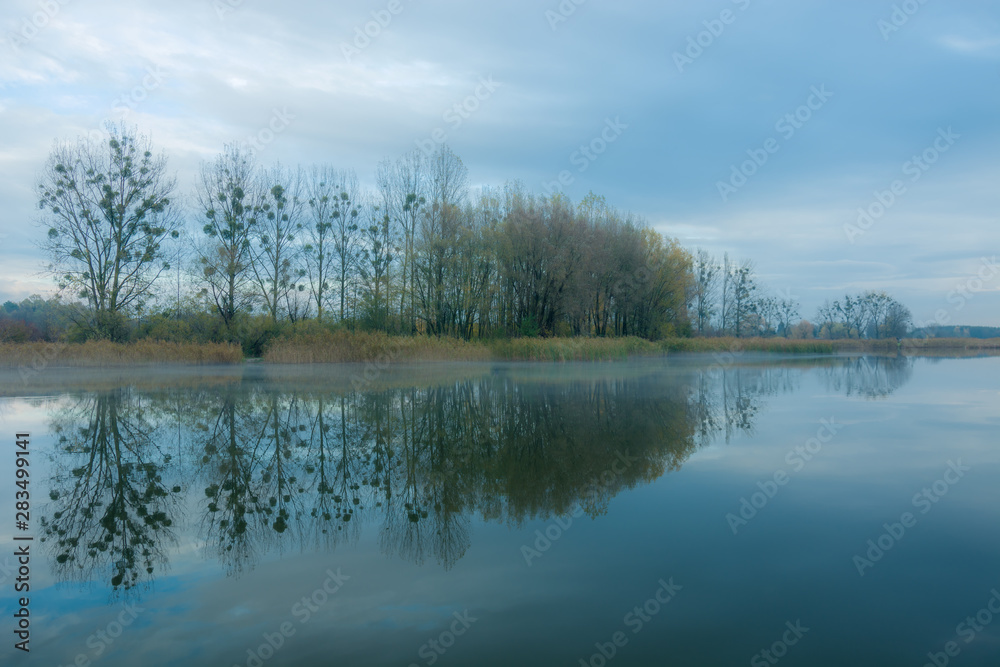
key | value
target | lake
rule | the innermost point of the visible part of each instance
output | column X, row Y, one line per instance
column 694, row 510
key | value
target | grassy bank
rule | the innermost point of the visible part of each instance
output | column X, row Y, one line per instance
column 324, row 346
column 573, row 349
column 36, row 356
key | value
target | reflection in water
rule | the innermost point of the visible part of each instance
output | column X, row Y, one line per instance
column 260, row 468
column 870, row 377
column 112, row 510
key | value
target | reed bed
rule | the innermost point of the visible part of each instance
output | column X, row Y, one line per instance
column 573, row 349
column 783, row 345
column 341, row 346
column 106, row 354
column 930, row 344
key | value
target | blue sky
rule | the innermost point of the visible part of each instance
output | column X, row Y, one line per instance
column 896, row 79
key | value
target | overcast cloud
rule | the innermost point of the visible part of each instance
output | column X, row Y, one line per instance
column 874, row 84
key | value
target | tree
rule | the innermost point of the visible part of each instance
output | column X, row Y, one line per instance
column 375, row 260
column 324, row 193
column 875, row 306
column 664, row 283
column 767, row 311
column 726, row 296
column 279, row 222
column 108, row 209
column 898, row 321
column 230, row 199
column 706, row 287
column 744, row 290
column 447, row 181
column 345, row 233
column 788, row 312
column 826, row 316
column 869, row 315
column 403, row 187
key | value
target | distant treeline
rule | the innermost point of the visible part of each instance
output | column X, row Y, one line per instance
column 258, row 250
column 957, row 332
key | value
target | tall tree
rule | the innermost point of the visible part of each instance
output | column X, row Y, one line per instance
column 706, row 287
column 231, row 202
column 744, row 288
column 323, row 189
column 447, row 184
column 276, row 262
column 108, row 209
column 375, row 260
column 346, row 209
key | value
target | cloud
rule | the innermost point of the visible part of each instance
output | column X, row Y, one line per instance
column 972, row 46
column 224, row 77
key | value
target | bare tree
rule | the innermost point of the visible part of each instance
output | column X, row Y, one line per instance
column 788, row 312
column 323, row 189
column 280, row 220
column 108, row 209
column 375, row 260
column 447, row 180
column 345, row 234
column 230, row 200
column 898, row 320
column 706, row 288
column 744, row 290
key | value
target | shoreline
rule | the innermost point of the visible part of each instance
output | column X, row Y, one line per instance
column 360, row 347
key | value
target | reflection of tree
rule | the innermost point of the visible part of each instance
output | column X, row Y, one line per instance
column 111, row 510
column 316, row 466
column 869, row 376
column 229, row 460
column 728, row 399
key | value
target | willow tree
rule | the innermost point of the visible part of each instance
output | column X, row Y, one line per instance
column 107, row 205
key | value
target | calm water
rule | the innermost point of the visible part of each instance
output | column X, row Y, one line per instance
column 691, row 511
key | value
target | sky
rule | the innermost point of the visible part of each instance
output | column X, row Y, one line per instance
column 841, row 145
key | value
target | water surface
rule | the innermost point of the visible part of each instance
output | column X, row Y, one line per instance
column 689, row 511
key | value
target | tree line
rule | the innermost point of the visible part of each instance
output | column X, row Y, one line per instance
column 422, row 252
